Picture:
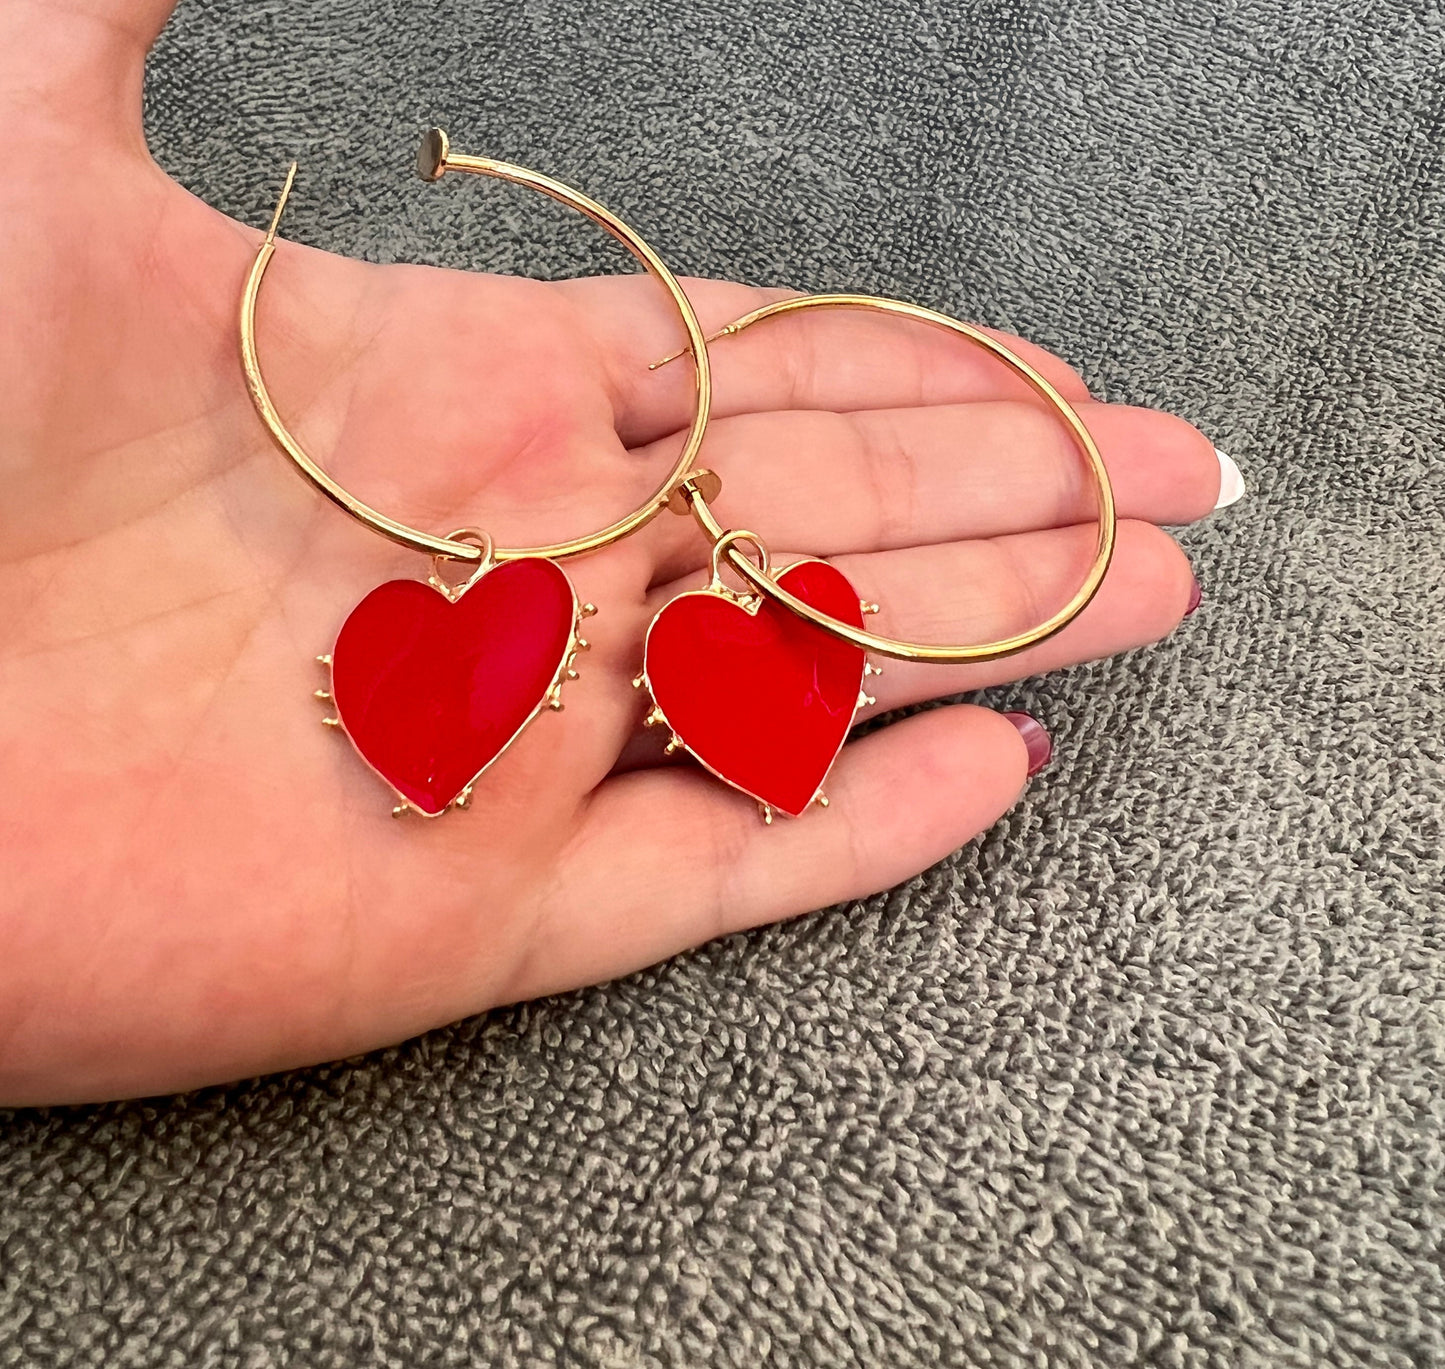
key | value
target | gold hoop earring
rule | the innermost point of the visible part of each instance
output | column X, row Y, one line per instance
column 432, row 679
column 808, row 621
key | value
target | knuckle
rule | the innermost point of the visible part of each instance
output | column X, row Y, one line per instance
column 889, row 473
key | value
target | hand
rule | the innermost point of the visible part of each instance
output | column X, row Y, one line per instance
column 201, row 882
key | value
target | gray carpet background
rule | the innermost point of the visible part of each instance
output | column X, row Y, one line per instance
column 1154, row 1073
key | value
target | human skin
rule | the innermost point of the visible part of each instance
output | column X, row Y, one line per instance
column 202, row 883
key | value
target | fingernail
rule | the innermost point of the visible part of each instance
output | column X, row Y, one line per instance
column 1035, row 738
column 1231, row 483
column 1196, row 597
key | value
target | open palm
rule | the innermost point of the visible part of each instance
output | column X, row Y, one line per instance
column 201, row 882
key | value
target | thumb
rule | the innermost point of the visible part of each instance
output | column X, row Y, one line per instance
column 75, row 67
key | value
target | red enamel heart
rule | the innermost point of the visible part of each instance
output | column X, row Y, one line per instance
column 431, row 691
column 763, row 699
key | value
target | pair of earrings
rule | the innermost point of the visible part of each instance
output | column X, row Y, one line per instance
column 432, row 680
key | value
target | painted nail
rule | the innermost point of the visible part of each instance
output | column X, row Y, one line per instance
column 1035, row 738
column 1231, row 483
column 1196, row 597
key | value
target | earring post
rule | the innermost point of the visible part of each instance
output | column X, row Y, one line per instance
column 281, row 205
column 727, row 331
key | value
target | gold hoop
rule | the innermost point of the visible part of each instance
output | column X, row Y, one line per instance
column 433, row 160
column 695, row 493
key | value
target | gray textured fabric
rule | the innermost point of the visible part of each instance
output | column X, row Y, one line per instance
column 1152, row 1073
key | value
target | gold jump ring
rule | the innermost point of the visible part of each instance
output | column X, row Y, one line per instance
column 729, row 540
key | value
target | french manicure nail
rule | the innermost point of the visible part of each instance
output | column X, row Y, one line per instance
column 1231, row 483
column 1040, row 747
column 1196, row 597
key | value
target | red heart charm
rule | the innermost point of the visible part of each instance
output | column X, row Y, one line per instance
column 431, row 690
column 761, row 697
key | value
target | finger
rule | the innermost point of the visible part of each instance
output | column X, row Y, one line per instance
column 691, row 860
column 79, row 63
column 980, row 592
column 840, row 360
column 888, row 478
column 986, row 591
